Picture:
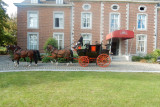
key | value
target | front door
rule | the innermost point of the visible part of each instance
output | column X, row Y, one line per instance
column 115, row 46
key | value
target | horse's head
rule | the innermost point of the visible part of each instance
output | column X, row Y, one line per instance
column 12, row 48
column 50, row 48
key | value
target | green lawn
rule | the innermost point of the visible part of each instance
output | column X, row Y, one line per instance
column 79, row 89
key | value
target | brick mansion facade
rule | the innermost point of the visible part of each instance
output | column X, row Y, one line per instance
column 68, row 20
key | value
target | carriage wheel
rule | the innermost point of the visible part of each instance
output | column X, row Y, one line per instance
column 103, row 60
column 83, row 61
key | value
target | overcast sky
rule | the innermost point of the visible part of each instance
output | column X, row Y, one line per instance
column 11, row 7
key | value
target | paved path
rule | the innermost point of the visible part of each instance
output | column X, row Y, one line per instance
column 6, row 65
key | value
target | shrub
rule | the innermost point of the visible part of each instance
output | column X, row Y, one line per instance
column 46, row 59
column 147, row 57
column 136, row 58
column 155, row 54
column 150, row 61
column 3, row 52
column 62, row 60
column 75, row 56
column 50, row 41
column 27, row 59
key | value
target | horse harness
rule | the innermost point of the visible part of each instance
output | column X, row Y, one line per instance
column 19, row 51
column 56, row 53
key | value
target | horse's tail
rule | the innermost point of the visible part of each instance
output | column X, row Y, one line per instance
column 71, row 52
column 38, row 55
column 35, row 56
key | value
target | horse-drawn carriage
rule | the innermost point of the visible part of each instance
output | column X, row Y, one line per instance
column 86, row 55
column 93, row 53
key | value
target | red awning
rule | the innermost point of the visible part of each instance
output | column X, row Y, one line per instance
column 124, row 34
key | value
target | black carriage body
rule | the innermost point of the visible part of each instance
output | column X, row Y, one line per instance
column 92, row 51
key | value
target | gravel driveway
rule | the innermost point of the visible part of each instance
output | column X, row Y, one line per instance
column 6, row 65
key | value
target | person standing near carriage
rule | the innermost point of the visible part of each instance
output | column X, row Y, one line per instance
column 79, row 43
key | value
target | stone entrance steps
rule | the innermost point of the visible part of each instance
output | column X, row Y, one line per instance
column 121, row 58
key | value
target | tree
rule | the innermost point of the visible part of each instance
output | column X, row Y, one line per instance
column 11, row 31
column 8, row 26
column 3, row 20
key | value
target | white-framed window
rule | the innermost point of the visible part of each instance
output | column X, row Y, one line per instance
column 58, row 20
column 141, row 21
column 141, row 44
column 59, row 1
column 115, row 7
column 86, row 6
column 60, row 39
column 114, row 22
column 33, row 40
column 32, row 19
column 87, row 38
column 86, row 20
column 34, row 1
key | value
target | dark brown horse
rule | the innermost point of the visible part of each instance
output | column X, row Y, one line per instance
column 23, row 53
column 64, row 53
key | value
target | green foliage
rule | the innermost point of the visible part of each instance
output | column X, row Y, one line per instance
column 27, row 59
column 150, row 58
column 11, row 32
column 46, row 59
column 75, row 55
column 3, row 20
column 155, row 54
column 50, row 41
column 2, row 49
column 136, row 58
column 147, row 57
column 8, row 27
column 61, row 60
column 3, row 52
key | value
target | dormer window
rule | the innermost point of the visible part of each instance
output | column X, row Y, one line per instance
column 34, row 1
column 59, row 1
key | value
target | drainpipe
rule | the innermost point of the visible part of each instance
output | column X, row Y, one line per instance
column 128, row 7
column 72, row 32
column 101, row 22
